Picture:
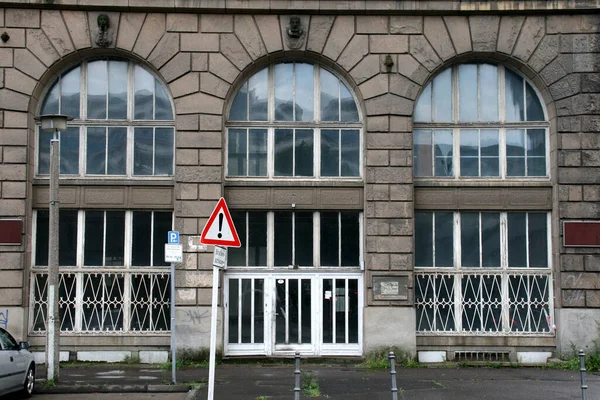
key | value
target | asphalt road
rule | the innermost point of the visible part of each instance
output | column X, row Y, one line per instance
column 108, row 396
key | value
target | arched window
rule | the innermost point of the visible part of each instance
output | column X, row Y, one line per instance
column 294, row 120
column 480, row 121
column 123, row 122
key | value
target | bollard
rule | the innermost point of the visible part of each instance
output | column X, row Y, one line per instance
column 297, row 377
column 393, row 375
column 582, row 369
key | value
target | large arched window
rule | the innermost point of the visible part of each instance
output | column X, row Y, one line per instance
column 293, row 120
column 480, row 121
column 123, row 122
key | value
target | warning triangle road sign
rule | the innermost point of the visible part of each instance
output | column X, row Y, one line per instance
column 219, row 230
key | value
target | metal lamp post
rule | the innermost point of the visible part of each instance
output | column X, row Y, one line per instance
column 53, row 123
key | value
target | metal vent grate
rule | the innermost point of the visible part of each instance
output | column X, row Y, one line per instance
column 491, row 356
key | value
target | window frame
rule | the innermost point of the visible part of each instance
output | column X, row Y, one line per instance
column 130, row 123
column 316, row 229
column 501, row 125
column 316, row 125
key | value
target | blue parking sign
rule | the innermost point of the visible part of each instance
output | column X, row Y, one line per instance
column 173, row 237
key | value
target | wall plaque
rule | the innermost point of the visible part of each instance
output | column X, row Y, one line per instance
column 390, row 288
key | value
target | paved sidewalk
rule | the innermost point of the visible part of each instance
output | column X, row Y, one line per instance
column 341, row 381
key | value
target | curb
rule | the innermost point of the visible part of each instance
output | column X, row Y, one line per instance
column 63, row 389
column 192, row 394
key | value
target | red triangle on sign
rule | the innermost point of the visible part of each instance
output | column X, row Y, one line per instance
column 219, row 230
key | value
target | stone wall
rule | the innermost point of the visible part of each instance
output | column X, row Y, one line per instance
column 202, row 56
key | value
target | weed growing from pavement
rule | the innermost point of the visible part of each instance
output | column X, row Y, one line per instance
column 379, row 358
column 570, row 361
column 132, row 359
column 310, row 386
column 49, row 383
column 262, row 398
column 192, row 358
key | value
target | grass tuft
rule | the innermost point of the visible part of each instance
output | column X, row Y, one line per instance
column 379, row 358
column 310, row 386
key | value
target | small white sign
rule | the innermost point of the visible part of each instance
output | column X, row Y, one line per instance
column 173, row 253
column 220, row 259
column 327, row 294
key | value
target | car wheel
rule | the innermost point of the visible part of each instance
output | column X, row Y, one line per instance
column 29, row 383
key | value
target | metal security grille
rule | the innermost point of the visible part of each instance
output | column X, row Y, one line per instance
column 109, row 302
column 483, row 303
column 491, row 356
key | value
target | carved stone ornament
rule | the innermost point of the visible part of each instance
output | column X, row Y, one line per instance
column 104, row 38
column 295, row 33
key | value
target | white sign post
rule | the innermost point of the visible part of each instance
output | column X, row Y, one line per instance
column 218, row 231
column 173, row 254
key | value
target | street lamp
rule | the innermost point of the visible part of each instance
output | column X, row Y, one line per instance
column 53, row 123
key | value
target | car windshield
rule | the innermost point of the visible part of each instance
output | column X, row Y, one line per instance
column 7, row 342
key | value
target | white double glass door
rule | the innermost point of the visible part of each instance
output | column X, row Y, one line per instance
column 279, row 314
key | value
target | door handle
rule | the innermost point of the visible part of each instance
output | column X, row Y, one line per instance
column 11, row 359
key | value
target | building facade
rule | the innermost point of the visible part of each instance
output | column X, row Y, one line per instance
column 399, row 174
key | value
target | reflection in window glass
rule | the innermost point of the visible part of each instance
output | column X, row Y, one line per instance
column 515, row 109
column 69, row 97
column 239, row 106
column 51, row 102
column 443, row 153
column 143, row 146
column 330, row 152
column 347, row 105
column 163, row 151
column 257, row 96
column 284, row 92
column 535, row 112
column 442, row 96
column 330, row 96
column 69, row 151
column 257, row 152
column 488, row 92
column 144, row 94
column 423, row 153
column 423, row 107
column 305, row 93
column 117, row 90
column 97, row 76
column 467, row 86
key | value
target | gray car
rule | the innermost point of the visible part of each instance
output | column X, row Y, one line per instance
column 17, row 369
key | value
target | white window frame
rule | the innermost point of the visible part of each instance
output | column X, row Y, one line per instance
column 505, row 272
column 130, row 123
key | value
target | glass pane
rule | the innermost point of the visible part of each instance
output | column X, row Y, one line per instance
column 259, row 313
column 283, row 239
column 257, row 162
column 515, row 166
column 536, row 166
column 70, row 93
column 350, row 153
column 305, row 92
column 293, row 311
column 471, row 294
column 444, row 242
column 163, row 223
column 258, row 95
column 340, row 310
column 303, row 245
column 469, row 152
column 69, row 151
column 536, row 142
column 330, row 149
column 443, row 153
column 304, row 144
column 444, row 318
column 423, row 153
column 96, row 151
column 517, row 240
column 330, row 96
column 350, row 239
column 163, row 155
column 117, row 151
column 50, row 105
column 236, row 152
column 353, row 310
column 327, row 310
column 469, row 166
column 490, row 239
column 467, row 91
column 257, row 240
column 143, row 143
column 489, row 142
column 163, row 105
column 423, row 239
column 236, row 256
column 469, row 236
column 488, row 92
column 96, row 89
column 515, row 143
column 424, row 293
column 233, row 310
column 44, row 151
column 284, row 92
column 442, row 96
column 538, row 240
column 330, row 244
column 490, row 166
column 515, row 109
column 67, row 240
column 284, row 152
column 117, row 90
column 239, row 106
column 142, row 230
column 115, row 238
column 535, row 112
column 306, row 319
column 41, row 237
column 246, row 311
column 144, row 94
column 94, row 238
column 423, row 107
column 280, row 311
column 348, row 105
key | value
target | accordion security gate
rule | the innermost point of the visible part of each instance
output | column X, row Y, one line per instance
column 105, row 302
column 509, row 303
column 279, row 314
